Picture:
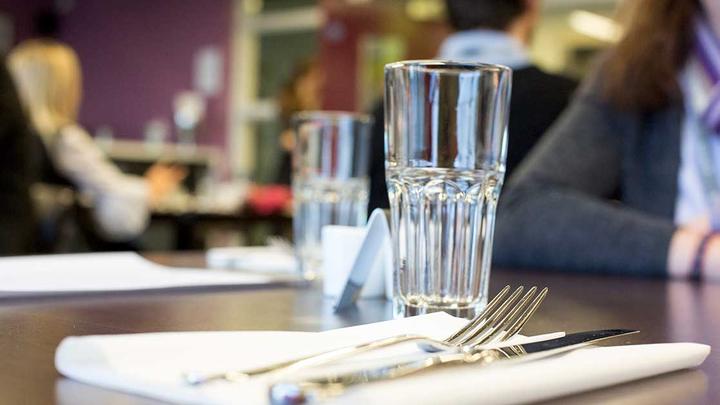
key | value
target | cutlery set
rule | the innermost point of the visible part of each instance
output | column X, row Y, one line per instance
column 503, row 318
column 312, row 389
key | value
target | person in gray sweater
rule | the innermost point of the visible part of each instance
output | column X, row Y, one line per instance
column 627, row 181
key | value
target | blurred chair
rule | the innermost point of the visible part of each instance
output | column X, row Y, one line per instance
column 65, row 223
column 16, row 172
column 55, row 210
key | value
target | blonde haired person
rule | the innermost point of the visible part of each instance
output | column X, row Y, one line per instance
column 48, row 77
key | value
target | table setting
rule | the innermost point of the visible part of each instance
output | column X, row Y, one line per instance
column 427, row 261
column 155, row 365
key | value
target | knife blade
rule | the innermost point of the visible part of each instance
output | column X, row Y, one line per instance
column 574, row 340
column 300, row 392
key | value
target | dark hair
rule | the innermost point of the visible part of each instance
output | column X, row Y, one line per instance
column 640, row 72
column 287, row 98
column 493, row 14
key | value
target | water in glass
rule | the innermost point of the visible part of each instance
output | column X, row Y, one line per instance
column 443, row 220
column 320, row 202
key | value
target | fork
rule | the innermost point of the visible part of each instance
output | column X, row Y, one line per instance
column 499, row 321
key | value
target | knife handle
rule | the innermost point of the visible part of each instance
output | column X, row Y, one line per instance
column 313, row 389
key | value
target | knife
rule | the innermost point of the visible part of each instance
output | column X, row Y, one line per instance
column 370, row 248
column 300, row 392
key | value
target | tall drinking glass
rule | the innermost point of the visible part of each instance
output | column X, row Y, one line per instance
column 445, row 143
column 330, row 178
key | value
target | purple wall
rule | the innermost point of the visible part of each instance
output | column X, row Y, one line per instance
column 137, row 54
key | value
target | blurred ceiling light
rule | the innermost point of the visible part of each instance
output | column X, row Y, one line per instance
column 424, row 10
column 595, row 26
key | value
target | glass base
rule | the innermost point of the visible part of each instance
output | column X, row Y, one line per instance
column 402, row 309
column 310, row 275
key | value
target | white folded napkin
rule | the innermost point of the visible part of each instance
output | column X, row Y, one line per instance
column 152, row 365
column 261, row 259
column 95, row 272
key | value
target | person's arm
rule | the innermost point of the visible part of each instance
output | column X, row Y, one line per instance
column 120, row 202
column 556, row 212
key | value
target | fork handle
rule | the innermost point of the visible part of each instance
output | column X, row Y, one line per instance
column 194, row 378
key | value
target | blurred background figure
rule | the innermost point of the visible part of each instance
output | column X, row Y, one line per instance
column 302, row 92
column 628, row 180
column 17, row 224
column 48, row 77
column 500, row 32
column 199, row 84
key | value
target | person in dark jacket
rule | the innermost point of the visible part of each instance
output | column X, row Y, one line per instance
column 493, row 31
column 628, row 180
column 17, row 163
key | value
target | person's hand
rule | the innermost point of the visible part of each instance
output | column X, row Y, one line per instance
column 700, row 224
column 287, row 140
column 163, row 179
column 684, row 249
column 711, row 262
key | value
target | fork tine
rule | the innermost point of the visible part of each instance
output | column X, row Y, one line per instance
column 502, row 327
column 521, row 321
column 483, row 325
column 501, row 324
column 482, row 316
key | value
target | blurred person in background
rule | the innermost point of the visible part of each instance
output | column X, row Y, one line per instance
column 301, row 92
column 499, row 32
column 628, row 180
column 17, row 222
column 48, row 77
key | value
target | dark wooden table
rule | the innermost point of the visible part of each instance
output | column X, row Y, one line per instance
column 30, row 330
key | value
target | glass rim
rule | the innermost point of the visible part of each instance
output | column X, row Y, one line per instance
column 331, row 115
column 431, row 65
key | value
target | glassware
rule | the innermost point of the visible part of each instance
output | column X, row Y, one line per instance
column 330, row 178
column 189, row 112
column 445, row 143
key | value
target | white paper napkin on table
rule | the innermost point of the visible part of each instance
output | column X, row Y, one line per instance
column 152, row 365
column 95, row 272
column 261, row 259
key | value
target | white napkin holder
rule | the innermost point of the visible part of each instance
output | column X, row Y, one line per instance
column 340, row 248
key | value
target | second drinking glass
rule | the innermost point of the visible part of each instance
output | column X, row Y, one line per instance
column 330, row 178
